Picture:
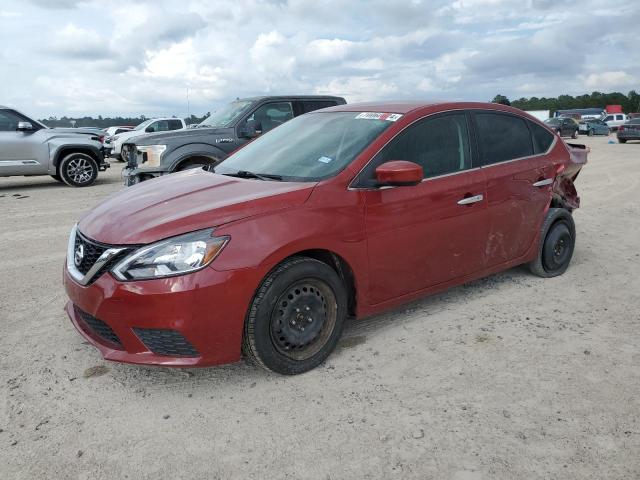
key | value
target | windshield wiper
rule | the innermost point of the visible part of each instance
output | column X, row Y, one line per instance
column 259, row 176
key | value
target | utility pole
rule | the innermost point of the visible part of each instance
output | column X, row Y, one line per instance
column 188, row 106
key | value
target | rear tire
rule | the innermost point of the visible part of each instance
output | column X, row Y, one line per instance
column 622, row 140
column 57, row 177
column 557, row 242
column 78, row 170
column 574, row 135
column 296, row 317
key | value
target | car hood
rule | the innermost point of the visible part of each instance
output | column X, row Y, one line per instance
column 181, row 135
column 184, row 202
column 74, row 130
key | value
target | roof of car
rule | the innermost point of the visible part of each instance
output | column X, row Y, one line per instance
column 2, row 107
column 295, row 97
column 405, row 107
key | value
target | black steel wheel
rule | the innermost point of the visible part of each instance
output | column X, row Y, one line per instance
column 78, row 170
column 304, row 317
column 558, row 236
column 296, row 317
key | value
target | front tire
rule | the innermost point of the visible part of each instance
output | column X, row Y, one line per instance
column 574, row 135
column 296, row 317
column 557, row 242
column 78, row 170
column 57, row 178
column 622, row 140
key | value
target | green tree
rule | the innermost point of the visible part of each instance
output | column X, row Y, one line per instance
column 501, row 99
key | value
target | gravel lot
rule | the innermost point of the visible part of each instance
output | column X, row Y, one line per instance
column 509, row 377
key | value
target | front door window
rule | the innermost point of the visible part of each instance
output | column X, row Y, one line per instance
column 270, row 115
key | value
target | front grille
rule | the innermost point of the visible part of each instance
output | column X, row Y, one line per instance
column 99, row 328
column 92, row 251
column 166, row 342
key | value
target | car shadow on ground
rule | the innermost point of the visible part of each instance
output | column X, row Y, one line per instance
column 356, row 333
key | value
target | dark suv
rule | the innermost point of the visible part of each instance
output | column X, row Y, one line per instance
column 216, row 137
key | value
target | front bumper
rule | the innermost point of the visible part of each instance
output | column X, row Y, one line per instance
column 147, row 322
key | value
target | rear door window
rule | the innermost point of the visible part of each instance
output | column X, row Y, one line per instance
column 311, row 105
column 502, row 137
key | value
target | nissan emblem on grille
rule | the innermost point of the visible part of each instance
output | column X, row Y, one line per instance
column 78, row 255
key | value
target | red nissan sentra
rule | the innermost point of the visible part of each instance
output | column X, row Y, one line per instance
column 343, row 212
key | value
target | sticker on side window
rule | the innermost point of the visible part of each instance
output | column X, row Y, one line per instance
column 390, row 117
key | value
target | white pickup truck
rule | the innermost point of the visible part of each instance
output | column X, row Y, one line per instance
column 614, row 120
column 153, row 125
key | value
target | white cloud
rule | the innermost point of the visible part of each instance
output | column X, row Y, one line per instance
column 611, row 80
column 107, row 57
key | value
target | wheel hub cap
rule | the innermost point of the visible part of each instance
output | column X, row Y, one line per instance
column 298, row 317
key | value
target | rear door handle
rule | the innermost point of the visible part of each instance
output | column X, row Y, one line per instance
column 542, row 183
column 470, row 200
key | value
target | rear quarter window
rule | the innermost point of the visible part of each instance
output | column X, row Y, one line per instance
column 542, row 138
column 175, row 124
column 502, row 137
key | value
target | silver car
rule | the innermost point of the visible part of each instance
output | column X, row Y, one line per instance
column 27, row 147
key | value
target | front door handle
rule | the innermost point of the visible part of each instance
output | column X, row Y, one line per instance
column 543, row 183
column 470, row 200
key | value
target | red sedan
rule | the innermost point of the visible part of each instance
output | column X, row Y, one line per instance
column 343, row 212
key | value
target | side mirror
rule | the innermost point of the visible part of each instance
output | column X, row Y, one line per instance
column 399, row 173
column 24, row 126
column 249, row 130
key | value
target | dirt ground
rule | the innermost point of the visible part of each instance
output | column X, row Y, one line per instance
column 510, row 377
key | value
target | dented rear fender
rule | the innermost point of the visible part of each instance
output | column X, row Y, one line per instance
column 564, row 191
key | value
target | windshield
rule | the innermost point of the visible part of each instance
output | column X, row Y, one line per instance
column 143, row 125
column 227, row 115
column 307, row 148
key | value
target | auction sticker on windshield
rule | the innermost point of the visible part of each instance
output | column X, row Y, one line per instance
column 390, row 117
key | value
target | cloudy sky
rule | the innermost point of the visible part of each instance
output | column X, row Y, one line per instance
column 77, row 57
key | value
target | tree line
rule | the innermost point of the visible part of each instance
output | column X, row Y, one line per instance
column 104, row 122
column 630, row 102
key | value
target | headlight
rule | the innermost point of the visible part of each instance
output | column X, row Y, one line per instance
column 174, row 256
column 154, row 153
